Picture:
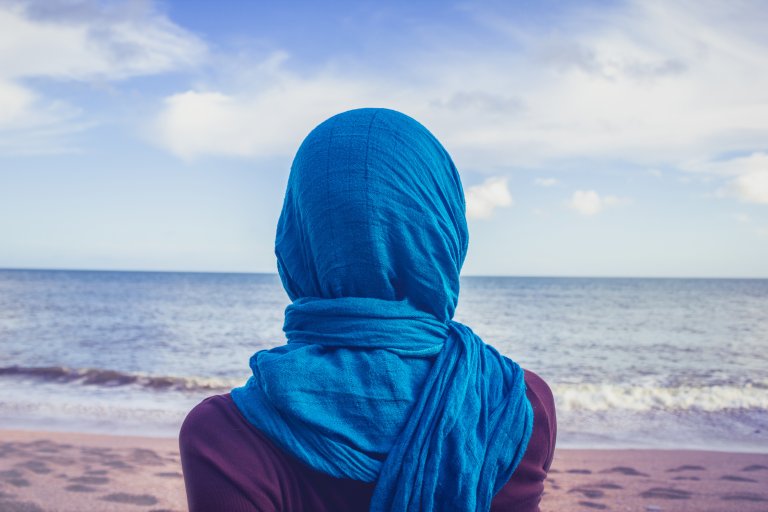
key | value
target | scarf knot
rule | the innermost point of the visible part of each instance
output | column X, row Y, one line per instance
column 364, row 323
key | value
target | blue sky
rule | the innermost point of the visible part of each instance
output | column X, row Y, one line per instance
column 593, row 138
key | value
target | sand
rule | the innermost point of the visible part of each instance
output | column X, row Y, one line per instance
column 45, row 471
column 657, row 480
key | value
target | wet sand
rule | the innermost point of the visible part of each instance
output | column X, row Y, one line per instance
column 45, row 471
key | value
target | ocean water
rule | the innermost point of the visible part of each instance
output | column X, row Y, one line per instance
column 660, row 363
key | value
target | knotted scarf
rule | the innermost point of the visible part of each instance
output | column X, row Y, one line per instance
column 376, row 381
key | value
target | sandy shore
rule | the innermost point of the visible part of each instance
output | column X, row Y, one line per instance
column 657, row 480
column 42, row 471
column 45, row 471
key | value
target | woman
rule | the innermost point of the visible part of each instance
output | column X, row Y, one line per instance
column 379, row 401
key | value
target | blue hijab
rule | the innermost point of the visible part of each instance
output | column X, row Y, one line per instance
column 377, row 382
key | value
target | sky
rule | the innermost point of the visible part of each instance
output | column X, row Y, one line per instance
column 593, row 138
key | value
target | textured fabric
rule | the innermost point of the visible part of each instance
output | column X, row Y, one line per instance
column 230, row 465
column 377, row 383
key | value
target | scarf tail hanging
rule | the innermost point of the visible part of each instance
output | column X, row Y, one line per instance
column 454, row 453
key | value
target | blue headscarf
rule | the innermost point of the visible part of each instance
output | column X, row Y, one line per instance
column 376, row 382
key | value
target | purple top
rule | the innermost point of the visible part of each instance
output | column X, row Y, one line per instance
column 230, row 465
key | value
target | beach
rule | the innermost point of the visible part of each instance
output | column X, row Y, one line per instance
column 69, row 472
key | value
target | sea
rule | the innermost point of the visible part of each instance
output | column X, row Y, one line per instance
column 633, row 363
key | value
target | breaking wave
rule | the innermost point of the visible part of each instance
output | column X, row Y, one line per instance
column 112, row 378
column 606, row 397
column 568, row 397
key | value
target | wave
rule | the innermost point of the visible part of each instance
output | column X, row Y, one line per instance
column 112, row 378
column 639, row 398
column 568, row 397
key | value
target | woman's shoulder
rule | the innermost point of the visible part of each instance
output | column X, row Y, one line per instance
column 524, row 490
column 545, row 417
column 538, row 386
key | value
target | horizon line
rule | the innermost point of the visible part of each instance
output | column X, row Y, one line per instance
column 540, row 276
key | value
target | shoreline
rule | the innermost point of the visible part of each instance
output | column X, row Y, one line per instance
column 75, row 471
column 87, row 429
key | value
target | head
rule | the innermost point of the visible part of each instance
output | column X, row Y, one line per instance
column 374, row 208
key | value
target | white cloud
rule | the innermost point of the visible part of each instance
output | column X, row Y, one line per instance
column 651, row 82
column 735, row 166
column 586, row 202
column 265, row 122
column 77, row 41
column 39, row 40
column 484, row 198
column 751, row 176
column 751, row 187
column 546, row 182
column 14, row 103
column 589, row 202
column 747, row 176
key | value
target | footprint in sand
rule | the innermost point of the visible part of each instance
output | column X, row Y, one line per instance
column 90, row 480
column 18, row 482
column 14, row 477
column 666, row 493
column 170, row 474
column 35, row 466
column 117, row 464
column 45, row 446
column 131, row 499
column 755, row 467
column 60, row 461
column 94, row 450
column 19, row 506
column 592, row 504
column 145, row 457
column 579, row 471
column 743, row 496
column 624, row 470
column 80, row 488
column 686, row 467
column 736, row 478
column 588, row 492
column 7, row 449
column 607, row 485
column 692, row 478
